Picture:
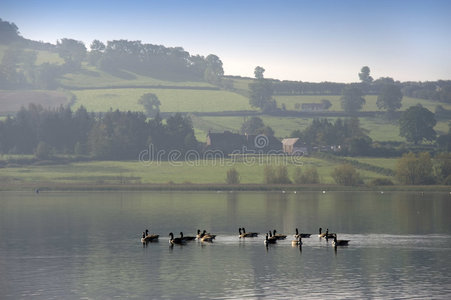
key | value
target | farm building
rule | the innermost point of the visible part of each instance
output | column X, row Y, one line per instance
column 294, row 146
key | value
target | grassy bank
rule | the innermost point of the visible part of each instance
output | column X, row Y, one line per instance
column 199, row 172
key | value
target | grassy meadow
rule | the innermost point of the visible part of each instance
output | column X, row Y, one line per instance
column 91, row 77
column 100, row 91
column 189, row 172
column 172, row 100
column 370, row 105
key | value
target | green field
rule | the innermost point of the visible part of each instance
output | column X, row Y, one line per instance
column 172, row 100
column 196, row 172
column 91, row 77
column 370, row 105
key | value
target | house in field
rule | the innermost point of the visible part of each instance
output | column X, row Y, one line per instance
column 228, row 142
column 294, row 146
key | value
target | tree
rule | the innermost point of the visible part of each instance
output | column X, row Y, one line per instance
column 326, row 104
column 214, row 71
column 97, row 49
column 9, row 32
column 255, row 125
column 233, row 177
column 346, row 175
column 364, row 75
column 151, row 104
column 414, row 169
column 390, row 98
column 417, row 124
column 310, row 176
column 276, row 175
column 352, row 99
column 442, row 167
column 258, row 72
column 73, row 52
column 261, row 95
column 43, row 151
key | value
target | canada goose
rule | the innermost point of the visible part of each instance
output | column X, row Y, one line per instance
column 208, row 238
column 279, row 236
column 204, row 233
column 199, row 234
column 270, row 240
column 175, row 241
column 187, row 238
column 302, row 235
column 146, row 238
column 326, row 234
column 244, row 234
column 329, row 235
column 337, row 243
column 297, row 241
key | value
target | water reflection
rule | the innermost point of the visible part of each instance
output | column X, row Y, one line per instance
column 88, row 245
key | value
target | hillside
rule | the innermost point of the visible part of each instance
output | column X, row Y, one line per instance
column 116, row 75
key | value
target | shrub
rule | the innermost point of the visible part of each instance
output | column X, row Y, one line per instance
column 233, row 177
column 310, row 176
column 415, row 169
column 43, row 151
column 346, row 175
column 277, row 175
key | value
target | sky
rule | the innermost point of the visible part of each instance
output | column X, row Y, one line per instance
column 299, row 40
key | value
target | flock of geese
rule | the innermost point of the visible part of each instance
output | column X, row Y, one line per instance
column 271, row 237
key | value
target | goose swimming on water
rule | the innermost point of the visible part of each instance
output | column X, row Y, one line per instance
column 176, row 241
column 302, row 235
column 337, row 243
column 244, row 234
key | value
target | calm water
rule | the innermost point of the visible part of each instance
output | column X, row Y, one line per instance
column 87, row 245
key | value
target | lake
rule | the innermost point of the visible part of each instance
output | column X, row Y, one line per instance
column 86, row 245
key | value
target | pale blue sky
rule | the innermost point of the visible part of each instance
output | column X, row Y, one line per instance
column 295, row 40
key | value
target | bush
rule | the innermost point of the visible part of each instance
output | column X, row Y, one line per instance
column 278, row 175
column 310, row 176
column 415, row 169
column 233, row 177
column 43, row 151
column 346, row 175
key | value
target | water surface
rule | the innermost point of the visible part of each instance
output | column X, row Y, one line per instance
column 87, row 245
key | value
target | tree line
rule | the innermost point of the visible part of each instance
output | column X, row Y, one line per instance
column 112, row 135
column 18, row 68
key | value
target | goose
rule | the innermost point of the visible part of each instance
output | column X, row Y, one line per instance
column 302, row 235
column 204, row 233
column 329, row 235
column 279, row 236
column 270, row 240
column 187, row 238
column 149, row 237
column 175, row 241
column 297, row 241
column 326, row 234
column 199, row 234
column 208, row 238
column 337, row 243
column 245, row 234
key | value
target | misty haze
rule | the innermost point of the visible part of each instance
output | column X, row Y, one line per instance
column 225, row 150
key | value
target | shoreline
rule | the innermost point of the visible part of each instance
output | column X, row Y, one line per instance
column 49, row 186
